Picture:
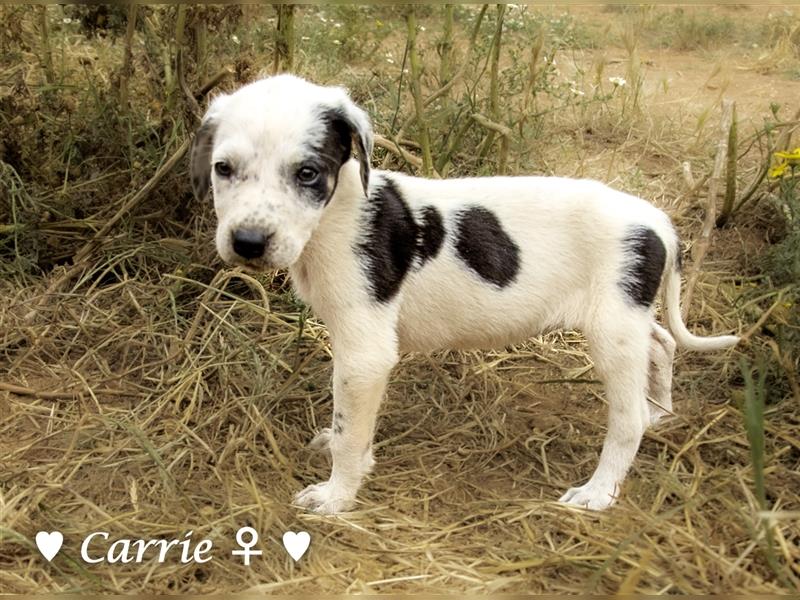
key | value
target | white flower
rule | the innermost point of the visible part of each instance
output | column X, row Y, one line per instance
column 66, row 20
column 421, row 28
column 235, row 39
column 305, row 38
column 337, row 42
column 618, row 81
column 390, row 61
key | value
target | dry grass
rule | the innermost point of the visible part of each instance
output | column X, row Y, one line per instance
column 156, row 392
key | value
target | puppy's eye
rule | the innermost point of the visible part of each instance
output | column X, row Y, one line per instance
column 223, row 169
column 307, row 175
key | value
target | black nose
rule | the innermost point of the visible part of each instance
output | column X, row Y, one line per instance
column 250, row 243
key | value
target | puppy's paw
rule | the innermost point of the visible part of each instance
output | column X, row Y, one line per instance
column 322, row 441
column 590, row 495
column 325, row 498
column 367, row 461
column 658, row 416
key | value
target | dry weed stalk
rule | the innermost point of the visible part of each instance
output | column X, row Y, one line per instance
column 494, row 81
column 396, row 149
column 534, row 70
column 283, row 57
column 127, row 60
column 445, row 46
column 416, row 91
column 47, row 53
column 730, row 172
column 700, row 247
column 505, row 136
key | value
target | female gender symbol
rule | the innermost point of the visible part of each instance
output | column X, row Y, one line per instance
column 246, row 552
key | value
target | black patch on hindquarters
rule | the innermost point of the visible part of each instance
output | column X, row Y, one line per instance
column 394, row 242
column 485, row 247
column 646, row 256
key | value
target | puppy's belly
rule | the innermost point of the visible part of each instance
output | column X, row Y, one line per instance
column 434, row 322
column 452, row 338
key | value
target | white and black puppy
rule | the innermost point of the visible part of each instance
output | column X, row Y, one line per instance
column 393, row 263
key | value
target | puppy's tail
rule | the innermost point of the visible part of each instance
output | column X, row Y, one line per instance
column 672, row 301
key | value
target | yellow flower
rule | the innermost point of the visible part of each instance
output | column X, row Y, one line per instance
column 778, row 170
column 786, row 160
column 792, row 158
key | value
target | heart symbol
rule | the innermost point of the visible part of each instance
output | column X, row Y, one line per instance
column 49, row 543
column 296, row 544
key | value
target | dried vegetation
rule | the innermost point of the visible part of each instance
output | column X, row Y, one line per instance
column 147, row 390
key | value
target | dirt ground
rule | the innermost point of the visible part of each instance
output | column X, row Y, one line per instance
column 158, row 392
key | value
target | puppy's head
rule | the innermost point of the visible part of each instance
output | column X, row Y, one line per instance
column 271, row 154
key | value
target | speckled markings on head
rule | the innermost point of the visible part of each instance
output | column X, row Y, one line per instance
column 646, row 256
column 396, row 240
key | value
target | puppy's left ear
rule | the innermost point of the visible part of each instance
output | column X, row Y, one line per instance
column 202, row 146
column 361, row 130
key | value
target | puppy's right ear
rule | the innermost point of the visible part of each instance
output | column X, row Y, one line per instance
column 202, row 147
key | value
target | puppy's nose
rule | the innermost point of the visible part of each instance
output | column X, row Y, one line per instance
column 250, row 243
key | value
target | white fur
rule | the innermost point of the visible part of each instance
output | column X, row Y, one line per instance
column 570, row 238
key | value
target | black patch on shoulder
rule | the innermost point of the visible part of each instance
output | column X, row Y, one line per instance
column 646, row 257
column 430, row 235
column 390, row 242
column 485, row 247
column 395, row 242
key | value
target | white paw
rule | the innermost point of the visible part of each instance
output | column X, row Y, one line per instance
column 367, row 461
column 657, row 415
column 325, row 498
column 322, row 441
column 590, row 495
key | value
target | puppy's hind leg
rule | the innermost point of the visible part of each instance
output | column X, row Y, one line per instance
column 620, row 349
column 662, row 355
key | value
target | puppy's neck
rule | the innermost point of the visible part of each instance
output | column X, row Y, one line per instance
column 349, row 189
column 327, row 256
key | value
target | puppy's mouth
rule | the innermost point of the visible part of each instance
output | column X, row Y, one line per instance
column 258, row 265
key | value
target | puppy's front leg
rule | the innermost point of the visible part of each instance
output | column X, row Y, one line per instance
column 360, row 374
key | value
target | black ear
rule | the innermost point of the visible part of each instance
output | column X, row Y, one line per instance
column 364, row 143
column 200, row 159
column 361, row 133
column 202, row 147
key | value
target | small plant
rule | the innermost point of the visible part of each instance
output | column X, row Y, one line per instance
column 782, row 264
column 784, row 258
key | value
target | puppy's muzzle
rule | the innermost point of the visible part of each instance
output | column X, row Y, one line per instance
column 250, row 243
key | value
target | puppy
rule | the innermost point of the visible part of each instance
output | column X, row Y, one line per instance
column 394, row 264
